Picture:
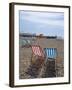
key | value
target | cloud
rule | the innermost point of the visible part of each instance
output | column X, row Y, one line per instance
column 51, row 15
column 48, row 23
column 49, row 18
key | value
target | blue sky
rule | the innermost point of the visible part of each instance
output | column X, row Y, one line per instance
column 47, row 23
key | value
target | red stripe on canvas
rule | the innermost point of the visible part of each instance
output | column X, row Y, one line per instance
column 37, row 51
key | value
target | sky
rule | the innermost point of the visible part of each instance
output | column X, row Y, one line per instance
column 39, row 22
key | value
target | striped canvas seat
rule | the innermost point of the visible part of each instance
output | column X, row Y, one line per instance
column 37, row 50
column 37, row 56
column 51, row 52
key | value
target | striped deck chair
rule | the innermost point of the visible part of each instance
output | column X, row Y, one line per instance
column 37, row 53
column 37, row 61
column 37, row 50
